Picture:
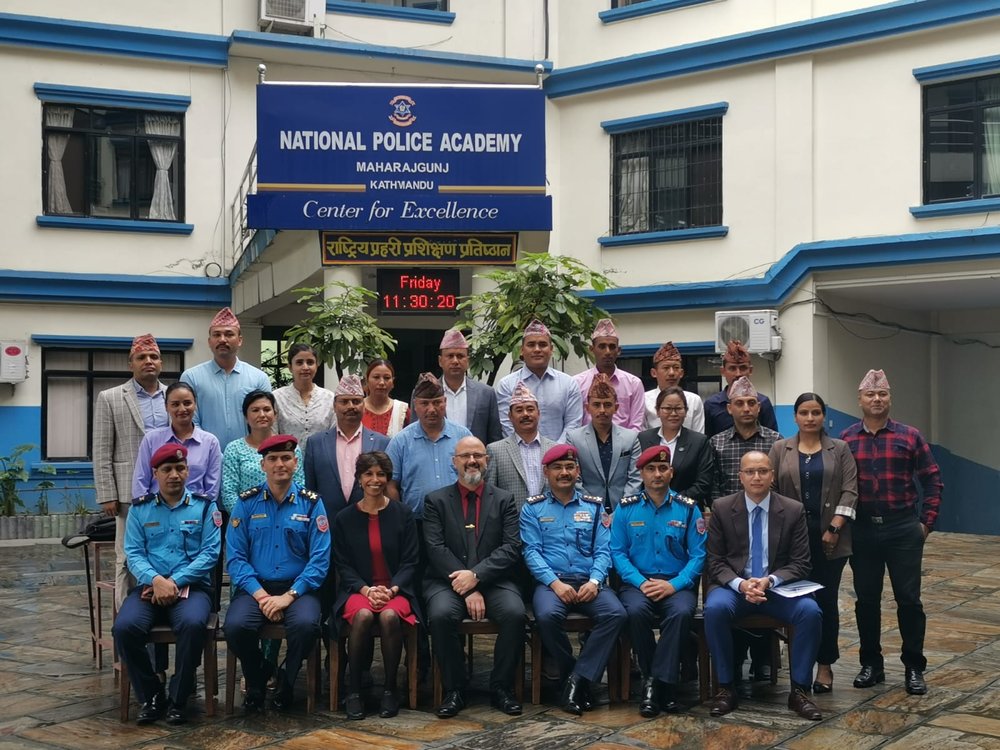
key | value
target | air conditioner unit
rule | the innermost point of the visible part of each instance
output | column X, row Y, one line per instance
column 13, row 361
column 292, row 16
column 757, row 330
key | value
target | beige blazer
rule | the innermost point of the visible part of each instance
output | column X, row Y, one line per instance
column 840, row 482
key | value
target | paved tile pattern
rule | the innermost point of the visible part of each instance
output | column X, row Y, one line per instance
column 52, row 696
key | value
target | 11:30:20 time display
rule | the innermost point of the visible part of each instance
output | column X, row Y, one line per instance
column 443, row 302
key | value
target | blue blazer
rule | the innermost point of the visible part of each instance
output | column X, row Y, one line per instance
column 323, row 474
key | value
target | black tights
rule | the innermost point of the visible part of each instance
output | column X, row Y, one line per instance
column 360, row 646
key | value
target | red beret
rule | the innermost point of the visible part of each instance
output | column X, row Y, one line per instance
column 561, row 452
column 277, row 443
column 653, row 453
column 169, row 453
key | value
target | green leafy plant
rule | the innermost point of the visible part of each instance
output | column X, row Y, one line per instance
column 339, row 328
column 12, row 471
column 539, row 286
column 43, row 488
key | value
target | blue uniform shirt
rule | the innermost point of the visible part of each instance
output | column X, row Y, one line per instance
column 565, row 540
column 666, row 541
column 181, row 543
column 272, row 541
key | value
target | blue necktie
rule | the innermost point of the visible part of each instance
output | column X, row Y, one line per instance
column 756, row 543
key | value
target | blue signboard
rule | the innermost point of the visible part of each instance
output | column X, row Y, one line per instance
column 400, row 157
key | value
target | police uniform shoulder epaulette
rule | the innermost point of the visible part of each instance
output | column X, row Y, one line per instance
column 309, row 495
column 593, row 499
column 685, row 499
column 629, row 500
column 534, row 499
column 144, row 499
column 199, row 496
column 247, row 494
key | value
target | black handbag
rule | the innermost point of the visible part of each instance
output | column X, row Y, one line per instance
column 101, row 530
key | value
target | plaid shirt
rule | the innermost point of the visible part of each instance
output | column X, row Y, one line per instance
column 729, row 448
column 888, row 462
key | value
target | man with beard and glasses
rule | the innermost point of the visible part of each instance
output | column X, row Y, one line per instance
column 473, row 547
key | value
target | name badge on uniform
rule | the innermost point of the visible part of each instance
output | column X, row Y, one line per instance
column 546, row 519
column 583, row 516
column 637, row 523
column 677, row 524
column 300, row 517
column 190, row 521
column 151, row 523
column 258, row 515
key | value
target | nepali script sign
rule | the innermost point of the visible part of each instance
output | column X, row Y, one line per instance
column 389, row 248
column 400, row 158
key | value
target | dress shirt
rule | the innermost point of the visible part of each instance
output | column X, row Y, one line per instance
column 765, row 507
column 295, row 417
column 889, row 461
column 531, row 460
column 557, row 539
column 421, row 465
column 204, row 462
column 152, row 406
column 348, row 450
column 693, row 420
column 631, row 413
column 670, row 444
column 220, row 397
column 181, row 543
column 458, row 409
column 241, row 471
column 718, row 418
column 730, row 447
column 559, row 404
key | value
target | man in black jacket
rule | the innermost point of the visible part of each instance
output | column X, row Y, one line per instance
column 473, row 546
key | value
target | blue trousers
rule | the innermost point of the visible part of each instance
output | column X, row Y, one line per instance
column 724, row 605
column 187, row 618
column 245, row 619
column 609, row 618
column 673, row 616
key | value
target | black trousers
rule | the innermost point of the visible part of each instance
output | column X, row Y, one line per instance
column 827, row 572
column 897, row 546
column 445, row 609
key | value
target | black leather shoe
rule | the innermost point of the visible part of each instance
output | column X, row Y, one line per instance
column 354, row 707
column 915, row 684
column 253, row 702
column 389, row 706
column 760, row 672
column 503, row 700
column 800, row 702
column 283, row 698
column 724, row 701
column 668, row 699
column 869, row 677
column 153, row 709
column 574, row 695
column 587, row 700
column 176, row 714
column 451, row 705
column 649, row 705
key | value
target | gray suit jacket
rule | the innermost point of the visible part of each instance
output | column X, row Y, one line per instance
column 623, row 479
column 118, row 431
column 323, row 474
column 483, row 416
column 506, row 470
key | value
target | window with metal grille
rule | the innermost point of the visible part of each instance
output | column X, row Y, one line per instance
column 962, row 140
column 667, row 178
column 420, row 4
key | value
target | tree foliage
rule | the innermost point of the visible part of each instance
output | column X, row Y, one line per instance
column 539, row 286
column 339, row 328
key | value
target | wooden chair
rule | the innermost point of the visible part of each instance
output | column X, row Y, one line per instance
column 276, row 631
column 469, row 627
column 574, row 623
column 163, row 634
column 338, row 662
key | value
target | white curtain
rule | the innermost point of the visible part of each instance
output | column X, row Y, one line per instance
column 633, row 195
column 55, row 145
column 163, row 152
column 991, row 155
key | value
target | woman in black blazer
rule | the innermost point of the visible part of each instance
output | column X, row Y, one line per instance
column 375, row 553
column 820, row 472
column 690, row 452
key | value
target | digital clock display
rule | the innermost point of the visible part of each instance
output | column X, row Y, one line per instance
column 422, row 290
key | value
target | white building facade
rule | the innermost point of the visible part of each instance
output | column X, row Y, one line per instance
column 835, row 160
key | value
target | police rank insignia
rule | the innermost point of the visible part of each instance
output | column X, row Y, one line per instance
column 217, row 518
column 322, row 524
column 534, row 499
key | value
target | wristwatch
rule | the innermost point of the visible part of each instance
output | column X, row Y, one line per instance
column 294, row 593
column 833, row 529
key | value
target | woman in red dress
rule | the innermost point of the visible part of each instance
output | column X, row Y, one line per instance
column 375, row 553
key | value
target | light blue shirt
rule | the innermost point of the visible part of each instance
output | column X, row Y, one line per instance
column 565, row 541
column 220, row 397
column 531, row 460
column 560, row 404
column 421, row 465
column 151, row 406
column 204, row 462
column 765, row 507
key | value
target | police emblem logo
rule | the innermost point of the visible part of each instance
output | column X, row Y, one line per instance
column 700, row 525
column 236, row 523
column 662, row 456
column 402, row 114
column 179, row 454
column 217, row 518
column 322, row 524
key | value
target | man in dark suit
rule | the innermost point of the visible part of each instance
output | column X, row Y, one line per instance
column 473, row 547
column 515, row 463
column 470, row 403
column 330, row 456
column 757, row 542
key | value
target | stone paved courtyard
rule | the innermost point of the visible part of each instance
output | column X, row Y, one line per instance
column 52, row 695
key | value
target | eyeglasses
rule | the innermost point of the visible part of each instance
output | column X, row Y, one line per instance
column 673, row 409
column 467, row 456
column 755, row 472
